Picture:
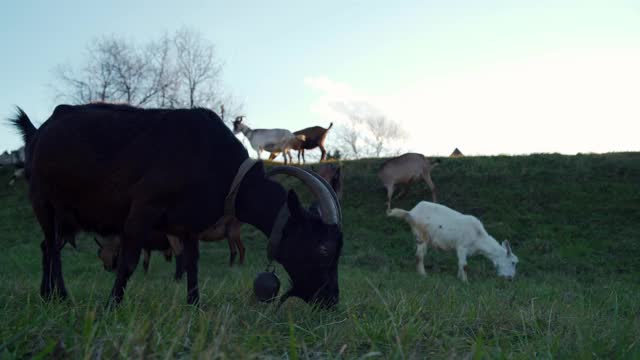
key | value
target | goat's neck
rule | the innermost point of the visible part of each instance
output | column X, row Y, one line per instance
column 490, row 248
column 259, row 200
column 247, row 132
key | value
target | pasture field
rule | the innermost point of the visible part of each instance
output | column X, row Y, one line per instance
column 574, row 222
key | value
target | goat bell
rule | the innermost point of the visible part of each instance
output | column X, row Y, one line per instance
column 266, row 285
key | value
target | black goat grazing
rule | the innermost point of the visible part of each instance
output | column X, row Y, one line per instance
column 201, row 175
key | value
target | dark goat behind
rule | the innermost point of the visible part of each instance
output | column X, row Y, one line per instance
column 332, row 174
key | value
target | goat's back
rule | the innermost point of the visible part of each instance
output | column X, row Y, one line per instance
column 445, row 225
column 404, row 168
column 272, row 139
column 314, row 136
column 93, row 160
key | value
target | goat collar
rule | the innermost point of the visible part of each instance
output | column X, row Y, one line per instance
column 230, row 210
column 230, row 200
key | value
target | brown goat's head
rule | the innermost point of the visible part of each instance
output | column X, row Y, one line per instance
column 108, row 252
column 333, row 175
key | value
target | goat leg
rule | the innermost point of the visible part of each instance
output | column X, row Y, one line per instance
column 46, row 285
column 129, row 255
column 232, row 250
column 402, row 191
column 191, row 256
column 138, row 230
column 52, row 281
column 179, row 267
column 145, row 261
column 234, row 237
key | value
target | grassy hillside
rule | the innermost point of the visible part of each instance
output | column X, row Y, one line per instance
column 572, row 220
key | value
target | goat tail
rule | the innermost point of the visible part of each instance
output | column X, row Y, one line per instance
column 435, row 162
column 399, row 213
column 22, row 122
column 330, row 125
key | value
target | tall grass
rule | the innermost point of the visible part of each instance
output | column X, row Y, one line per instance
column 572, row 220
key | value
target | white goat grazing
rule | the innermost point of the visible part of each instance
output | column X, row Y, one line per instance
column 441, row 227
column 271, row 140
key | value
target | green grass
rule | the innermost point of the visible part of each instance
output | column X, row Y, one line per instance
column 574, row 222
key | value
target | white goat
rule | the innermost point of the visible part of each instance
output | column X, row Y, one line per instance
column 441, row 227
column 271, row 140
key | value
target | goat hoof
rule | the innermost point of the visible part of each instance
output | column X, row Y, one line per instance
column 193, row 299
column 112, row 304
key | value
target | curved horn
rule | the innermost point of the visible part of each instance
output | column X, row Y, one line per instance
column 327, row 204
column 334, row 196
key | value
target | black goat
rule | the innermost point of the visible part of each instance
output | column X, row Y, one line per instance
column 99, row 168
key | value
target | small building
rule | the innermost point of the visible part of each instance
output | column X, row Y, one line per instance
column 456, row 153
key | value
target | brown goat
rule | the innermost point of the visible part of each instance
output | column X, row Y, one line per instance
column 332, row 174
column 405, row 169
column 314, row 137
column 109, row 247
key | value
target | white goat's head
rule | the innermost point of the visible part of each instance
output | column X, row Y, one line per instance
column 506, row 263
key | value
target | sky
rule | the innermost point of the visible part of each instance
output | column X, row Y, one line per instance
column 489, row 77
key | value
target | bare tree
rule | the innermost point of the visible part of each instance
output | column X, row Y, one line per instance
column 197, row 67
column 366, row 131
column 350, row 138
column 95, row 81
column 174, row 71
column 382, row 132
column 130, row 70
column 161, row 74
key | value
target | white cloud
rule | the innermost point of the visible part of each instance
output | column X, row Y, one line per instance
column 568, row 102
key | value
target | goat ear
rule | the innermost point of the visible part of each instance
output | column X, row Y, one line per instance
column 295, row 207
column 506, row 246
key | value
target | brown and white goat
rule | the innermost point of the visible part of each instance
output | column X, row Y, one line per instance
column 314, row 137
column 270, row 140
column 405, row 169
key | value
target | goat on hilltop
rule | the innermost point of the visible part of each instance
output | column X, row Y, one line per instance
column 271, row 140
column 314, row 137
